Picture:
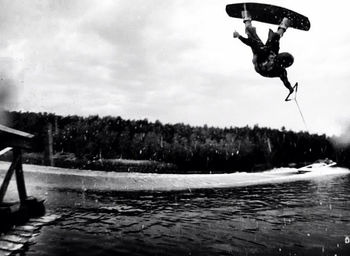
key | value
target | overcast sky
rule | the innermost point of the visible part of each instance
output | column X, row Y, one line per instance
column 171, row 60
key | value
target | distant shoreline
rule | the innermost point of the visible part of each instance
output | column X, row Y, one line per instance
column 95, row 142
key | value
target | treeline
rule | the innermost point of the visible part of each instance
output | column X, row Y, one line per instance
column 200, row 149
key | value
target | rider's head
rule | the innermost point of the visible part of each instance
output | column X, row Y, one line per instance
column 285, row 59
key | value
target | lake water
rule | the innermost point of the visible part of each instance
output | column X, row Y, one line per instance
column 305, row 217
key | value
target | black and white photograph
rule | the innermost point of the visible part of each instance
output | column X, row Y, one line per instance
column 174, row 127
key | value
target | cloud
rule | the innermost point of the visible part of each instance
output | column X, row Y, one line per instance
column 170, row 60
column 113, row 45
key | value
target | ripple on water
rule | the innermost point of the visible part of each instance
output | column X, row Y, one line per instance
column 303, row 217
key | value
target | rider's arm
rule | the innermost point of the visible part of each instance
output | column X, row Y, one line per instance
column 243, row 39
column 285, row 81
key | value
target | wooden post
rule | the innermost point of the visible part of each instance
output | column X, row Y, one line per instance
column 48, row 151
column 7, row 178
column 21, row 187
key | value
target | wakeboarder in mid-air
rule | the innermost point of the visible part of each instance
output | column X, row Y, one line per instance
column 267, row 59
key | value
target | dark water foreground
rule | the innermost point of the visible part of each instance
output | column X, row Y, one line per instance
column 297, row 218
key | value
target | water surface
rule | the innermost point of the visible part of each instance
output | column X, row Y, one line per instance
column 306, row 217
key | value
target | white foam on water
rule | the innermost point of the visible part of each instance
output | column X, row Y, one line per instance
column 98, row 180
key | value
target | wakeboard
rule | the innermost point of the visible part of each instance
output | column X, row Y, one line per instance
column 269, row 13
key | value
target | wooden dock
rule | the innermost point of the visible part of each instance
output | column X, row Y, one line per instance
column 17, row 238
column 16, row 213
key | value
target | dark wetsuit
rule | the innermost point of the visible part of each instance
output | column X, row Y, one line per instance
column 266, row 58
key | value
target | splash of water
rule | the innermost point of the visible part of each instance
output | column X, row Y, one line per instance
column 344, row 139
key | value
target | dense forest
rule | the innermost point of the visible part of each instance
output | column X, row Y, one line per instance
column 190, row 149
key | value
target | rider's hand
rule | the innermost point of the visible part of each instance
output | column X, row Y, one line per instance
column 235, row 34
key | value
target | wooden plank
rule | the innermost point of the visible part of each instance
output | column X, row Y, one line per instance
column 6, row 129
column 5, row 150
column 10, row 137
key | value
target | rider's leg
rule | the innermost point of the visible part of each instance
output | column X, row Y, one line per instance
column 249, row 29
column 283, row 26
column 273, row 40
column 247, row 19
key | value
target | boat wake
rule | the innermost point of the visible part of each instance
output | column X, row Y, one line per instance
column 58, row 178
